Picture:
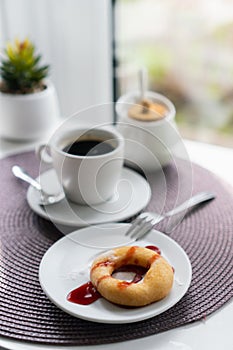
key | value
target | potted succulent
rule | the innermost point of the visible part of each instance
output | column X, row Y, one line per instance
column 28, row 101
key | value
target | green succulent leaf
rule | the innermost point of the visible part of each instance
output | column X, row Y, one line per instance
column 21, row 70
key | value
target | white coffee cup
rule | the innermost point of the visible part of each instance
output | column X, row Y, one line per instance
column 148, row 144
column 87, row 178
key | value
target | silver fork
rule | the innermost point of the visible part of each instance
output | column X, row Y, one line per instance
column 145, row 221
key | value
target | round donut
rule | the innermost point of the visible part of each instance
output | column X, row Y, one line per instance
column 155, row 285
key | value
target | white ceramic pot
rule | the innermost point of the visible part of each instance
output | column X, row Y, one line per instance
column 149, row 145
column 29, row 116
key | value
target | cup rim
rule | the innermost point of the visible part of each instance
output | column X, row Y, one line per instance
column 125, row 100
column 116, row 135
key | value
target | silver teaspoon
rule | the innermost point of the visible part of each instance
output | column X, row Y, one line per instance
column 45, row 198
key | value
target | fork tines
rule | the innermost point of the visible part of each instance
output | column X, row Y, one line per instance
column 140, row 227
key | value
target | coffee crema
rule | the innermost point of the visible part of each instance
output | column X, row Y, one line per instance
column 89, row 148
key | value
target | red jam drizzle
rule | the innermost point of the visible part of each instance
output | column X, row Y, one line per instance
column 129, row 255
column 84, row 295
column 139, row 272
column 87, row 294
column 154, row 248
column 102, row 263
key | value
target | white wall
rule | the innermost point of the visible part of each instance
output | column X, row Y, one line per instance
column 74, row 36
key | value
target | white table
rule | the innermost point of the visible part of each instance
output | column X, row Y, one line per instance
column 213, row 333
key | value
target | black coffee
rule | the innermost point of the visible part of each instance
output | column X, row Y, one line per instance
column 88, row 148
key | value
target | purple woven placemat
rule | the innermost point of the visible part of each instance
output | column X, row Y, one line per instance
column 25, row 312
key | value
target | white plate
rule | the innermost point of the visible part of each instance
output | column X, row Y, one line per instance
column 133, row 194
column 65, row 266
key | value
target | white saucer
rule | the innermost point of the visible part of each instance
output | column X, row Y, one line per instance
column 66, row 265
column 133, row 194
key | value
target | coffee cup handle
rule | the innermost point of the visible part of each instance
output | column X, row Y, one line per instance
column 43, row 153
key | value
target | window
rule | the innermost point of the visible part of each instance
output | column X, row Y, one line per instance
column 187, row 48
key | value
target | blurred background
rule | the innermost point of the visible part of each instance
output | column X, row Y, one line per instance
column 187, row 47
column 95, row 49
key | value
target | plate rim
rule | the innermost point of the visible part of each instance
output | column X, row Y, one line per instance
column 127, row 320
column 81, row 223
